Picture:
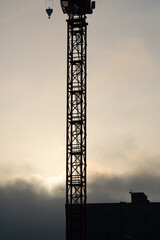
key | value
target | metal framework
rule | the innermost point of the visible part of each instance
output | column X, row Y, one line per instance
column 76, row 128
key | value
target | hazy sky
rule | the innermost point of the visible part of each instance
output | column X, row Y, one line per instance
column 123, row 94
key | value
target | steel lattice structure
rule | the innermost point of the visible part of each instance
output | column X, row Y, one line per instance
column 76, row 128
column 76, row 115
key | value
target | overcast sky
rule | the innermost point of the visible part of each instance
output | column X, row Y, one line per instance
column 123, row 97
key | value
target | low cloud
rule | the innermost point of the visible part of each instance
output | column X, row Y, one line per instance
column 29, row 211
column 116, row 188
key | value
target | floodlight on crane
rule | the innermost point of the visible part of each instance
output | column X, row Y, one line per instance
column 76, row 193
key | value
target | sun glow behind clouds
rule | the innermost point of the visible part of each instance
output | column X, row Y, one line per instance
column 52, row 185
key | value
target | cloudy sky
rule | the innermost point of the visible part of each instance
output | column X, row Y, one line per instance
column 123, row 100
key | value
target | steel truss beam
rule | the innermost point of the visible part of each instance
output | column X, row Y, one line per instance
column 76, row 129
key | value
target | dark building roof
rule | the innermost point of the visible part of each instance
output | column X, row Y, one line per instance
column 137, row 220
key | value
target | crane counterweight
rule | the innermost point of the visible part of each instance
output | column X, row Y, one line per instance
column 77, row 7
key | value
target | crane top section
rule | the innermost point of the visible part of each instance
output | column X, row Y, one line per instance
column 77, row 7
column 72, row 7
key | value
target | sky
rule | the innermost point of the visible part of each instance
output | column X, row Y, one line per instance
column 123, row 101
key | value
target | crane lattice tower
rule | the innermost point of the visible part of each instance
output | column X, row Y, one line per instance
column 76, row 116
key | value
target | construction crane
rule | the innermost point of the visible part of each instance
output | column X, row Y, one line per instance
column 76, row 193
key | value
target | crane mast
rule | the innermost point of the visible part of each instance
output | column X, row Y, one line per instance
column 76, row 128
column 76, row 115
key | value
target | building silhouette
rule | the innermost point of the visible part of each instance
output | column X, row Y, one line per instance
column 137, row 220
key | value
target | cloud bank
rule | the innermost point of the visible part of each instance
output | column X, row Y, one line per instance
column 116, row 188
column 29, row 211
